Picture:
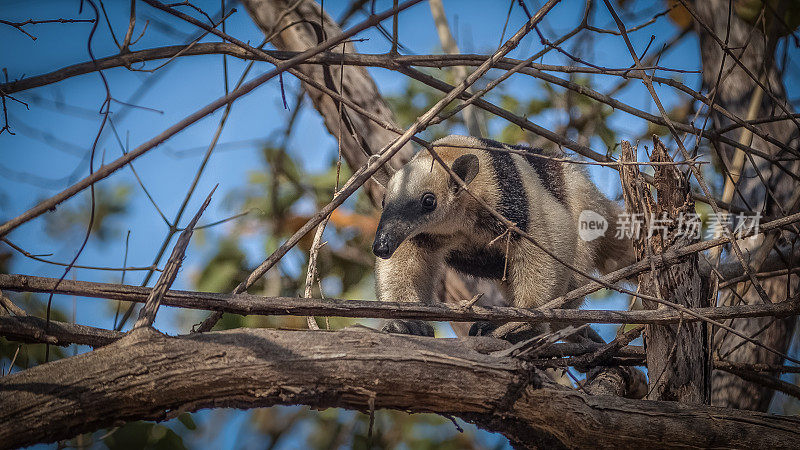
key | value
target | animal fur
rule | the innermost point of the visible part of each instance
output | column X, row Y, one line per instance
column 541, row 196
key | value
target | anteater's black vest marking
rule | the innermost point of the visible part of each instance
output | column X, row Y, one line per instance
column 489, row 262
column 478, row 262
column 429, row 242
column 549, row 171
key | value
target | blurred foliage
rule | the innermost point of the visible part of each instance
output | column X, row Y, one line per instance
column 137, row 435
column 679, row 14
column 336, row 428
column 226, row 269
column 109, row 203
column 144, row 435
column 391, row 429
column 780, row 16
column 286, row 195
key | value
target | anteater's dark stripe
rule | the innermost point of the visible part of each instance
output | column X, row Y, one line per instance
column 513, row 204
column 549, row 171
column 478, row 262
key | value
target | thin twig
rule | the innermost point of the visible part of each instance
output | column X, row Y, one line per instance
column 77, row 266
column 19, row 25
column 311, row 273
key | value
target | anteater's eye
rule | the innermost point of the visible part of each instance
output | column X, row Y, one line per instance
column 428, row 201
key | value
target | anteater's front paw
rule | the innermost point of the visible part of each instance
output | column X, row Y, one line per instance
column 482, row 329
column 415, row 327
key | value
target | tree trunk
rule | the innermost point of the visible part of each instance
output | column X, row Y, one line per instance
column 735, row 93
column 677, row 359
column 298, row 26
column 149, row 376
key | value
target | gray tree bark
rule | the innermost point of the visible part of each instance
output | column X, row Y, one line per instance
column 149, row 376
column 735, row 93
column 677, row 357
column 298, row 26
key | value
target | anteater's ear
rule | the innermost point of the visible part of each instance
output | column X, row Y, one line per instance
column 466, row 167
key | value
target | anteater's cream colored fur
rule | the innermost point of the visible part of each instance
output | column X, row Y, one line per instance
column 459, row 231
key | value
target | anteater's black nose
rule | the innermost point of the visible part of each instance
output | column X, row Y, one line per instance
column 381, row 248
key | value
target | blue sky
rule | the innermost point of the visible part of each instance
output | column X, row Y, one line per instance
column 189, row 83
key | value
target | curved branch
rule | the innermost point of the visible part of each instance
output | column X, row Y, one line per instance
column 332, row 58
column 149, row 376
column 395, row 62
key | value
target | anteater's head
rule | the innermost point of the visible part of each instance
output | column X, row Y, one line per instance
column 421, row 198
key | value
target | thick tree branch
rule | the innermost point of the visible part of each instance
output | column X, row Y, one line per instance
column 31, row 329
column 614, row 376
column 150, row 376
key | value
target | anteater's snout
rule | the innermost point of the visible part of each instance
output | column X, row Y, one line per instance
column 382, row 247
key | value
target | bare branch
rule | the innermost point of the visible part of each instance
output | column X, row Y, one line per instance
column 247, row 304
column 32, row 329
column 399, row 62
column 556, row 355
column 19, row 25
column 9, row 306
column 764, row 380
column 77, row 266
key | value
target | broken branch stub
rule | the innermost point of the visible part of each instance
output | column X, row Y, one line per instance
column 676, row 354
